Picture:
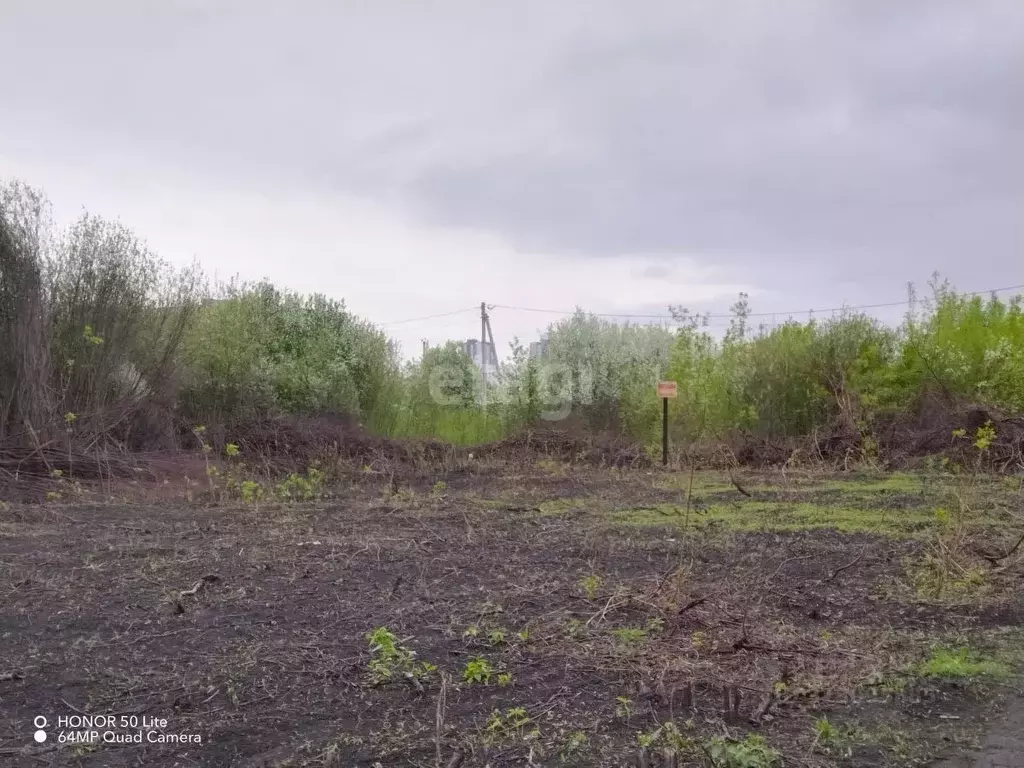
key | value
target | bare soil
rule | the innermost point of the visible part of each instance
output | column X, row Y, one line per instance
column 604, row 604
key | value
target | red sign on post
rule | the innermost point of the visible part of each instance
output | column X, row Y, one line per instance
column 667, row 389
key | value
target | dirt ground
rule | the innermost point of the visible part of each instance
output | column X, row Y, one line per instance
column 536, row 615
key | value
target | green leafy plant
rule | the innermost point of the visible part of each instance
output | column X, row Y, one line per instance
column 391, row 658
column 477, row 670
column 665, row 735
column 90, row 336
column 575, row 743
column 832, row 739
column 984, row 436
column 496, row 637
column 624, row 707
column 576, row 629
column 752, row 752
column 590, row 584
column 655, row 625
column 251, row 491
column 297, row 487
column 515, row 723
column 627, row 638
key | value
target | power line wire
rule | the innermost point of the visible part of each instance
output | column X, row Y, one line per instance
column 560, row 312
column 710, row 315
column 431, row 317
column 905, row 302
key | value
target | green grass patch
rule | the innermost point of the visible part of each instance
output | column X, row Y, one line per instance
column 895, row 482
column 561, row 506
column 782, row 516
column 461, row 426
column 704, row 482
column 961, row 663
column 933, row 578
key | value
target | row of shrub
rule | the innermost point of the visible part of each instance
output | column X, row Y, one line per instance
column 799, row 377
column 101, row 339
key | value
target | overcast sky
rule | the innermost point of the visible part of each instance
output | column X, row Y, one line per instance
column 419, row 157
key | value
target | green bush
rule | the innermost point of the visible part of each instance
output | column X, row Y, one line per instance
column 967, row 346
column 256, row 350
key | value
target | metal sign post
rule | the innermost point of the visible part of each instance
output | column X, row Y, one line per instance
column 666, row 389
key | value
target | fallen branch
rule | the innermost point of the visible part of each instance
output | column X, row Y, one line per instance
column 692, row 604
column 194, row 589
column 1013, row 549
column 604, row 611
column 737, row 486
column 849, row 565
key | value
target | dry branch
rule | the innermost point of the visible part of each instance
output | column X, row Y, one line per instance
column 849, row 565
column 194, row 589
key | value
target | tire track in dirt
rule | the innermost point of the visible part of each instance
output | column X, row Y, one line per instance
column 1002, row 747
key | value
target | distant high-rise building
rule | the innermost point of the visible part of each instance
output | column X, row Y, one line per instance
column 539, row 348
column 473, row 349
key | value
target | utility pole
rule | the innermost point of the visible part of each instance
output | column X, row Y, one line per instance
column 483, row 355
column 494, row 347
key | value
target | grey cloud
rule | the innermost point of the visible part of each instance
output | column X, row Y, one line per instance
column 801, row 141
column 891, row 145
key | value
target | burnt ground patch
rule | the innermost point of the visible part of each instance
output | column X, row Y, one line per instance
column 591, row 607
